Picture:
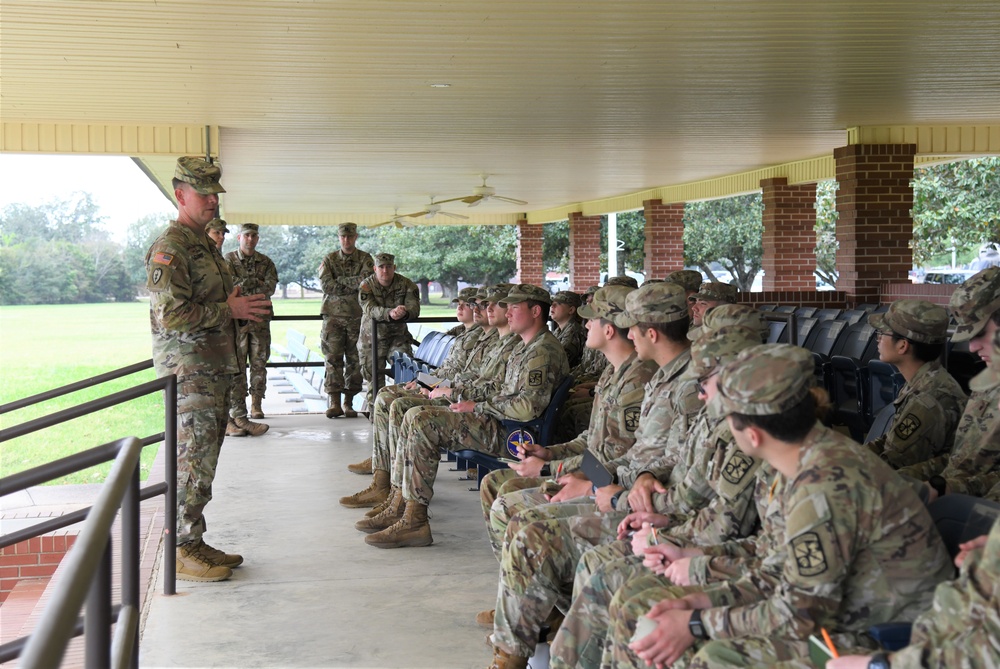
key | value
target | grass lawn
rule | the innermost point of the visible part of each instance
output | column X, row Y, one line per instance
column 46, row 346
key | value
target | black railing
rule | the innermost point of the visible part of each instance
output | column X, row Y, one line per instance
column 376, row 375
column 88, row 563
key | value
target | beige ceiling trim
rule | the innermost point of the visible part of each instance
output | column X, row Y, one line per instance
column 107, row 139
column 954, row 140
column 364, row 220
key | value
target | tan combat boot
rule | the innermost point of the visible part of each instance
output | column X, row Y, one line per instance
column 334, row 409
column 255, row 410
column 192, row 566
column 504, row 660
column 486, row 618
column 253, row 429
column 349, row 411
column 234, row 430
column 215, row 556
column 363, row 467
column 410, row 531
column 376, row 493
column 388, row 513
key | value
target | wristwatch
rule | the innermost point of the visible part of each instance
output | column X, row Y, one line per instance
column 939, row 484
column 695, row 626
column 879, row 661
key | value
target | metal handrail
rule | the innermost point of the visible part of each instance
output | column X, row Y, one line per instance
column 376, row 376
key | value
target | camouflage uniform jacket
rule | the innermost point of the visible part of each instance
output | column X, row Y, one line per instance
column 572, row 337
column 534, row 371
column 669, row 408
column 928, row 409
column 972, row 465
column 341, row 275
column 857, row 539
column 493, row 372
column 255, row 275
column 477, row 357
column 378, row 300
column 188, row 282
column 962, row 628
column 614, row 417
column 458, row 355
column 591, row 365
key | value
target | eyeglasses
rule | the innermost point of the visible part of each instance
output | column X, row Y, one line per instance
column 700, row 383
column 884, row 333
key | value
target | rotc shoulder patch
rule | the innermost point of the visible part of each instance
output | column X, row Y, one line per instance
column 736, row 467
column 807, row 549
column 535, row 377
column 907, row 426
column 162, row 258
column 632, row 418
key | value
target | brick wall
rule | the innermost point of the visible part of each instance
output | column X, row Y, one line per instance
column 824, row 299
column 789, row 235
column 874, row 227
column 530, row 268
column 584, row 251
column 664, row 247
column 33, row 558
column 932, row 292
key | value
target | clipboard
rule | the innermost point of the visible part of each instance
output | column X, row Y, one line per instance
column 594, row 470
column 431, row 382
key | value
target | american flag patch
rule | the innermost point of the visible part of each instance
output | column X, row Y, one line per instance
column 163, row 258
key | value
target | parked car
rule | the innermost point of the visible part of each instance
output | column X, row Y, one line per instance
column 948, row 276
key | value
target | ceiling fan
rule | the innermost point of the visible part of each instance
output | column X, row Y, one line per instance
column 396, row 220
column 484, row 193
column 433, row 209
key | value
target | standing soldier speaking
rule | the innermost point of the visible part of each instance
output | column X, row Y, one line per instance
column 193, row 308
column 255, row 274
column 340, row 274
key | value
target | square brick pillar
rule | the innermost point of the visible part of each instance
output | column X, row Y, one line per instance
column 874, row 225
column 584, row 251
column 789, row 235
column 530, row 268
column 664, row 247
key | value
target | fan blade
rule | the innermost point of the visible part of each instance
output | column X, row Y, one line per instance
column 476, row 202
column 472, row 200
column 399, row 225
column 509, row 199
column 379, row 225
column 451, row 215
column 454, row 199
column 416, row 214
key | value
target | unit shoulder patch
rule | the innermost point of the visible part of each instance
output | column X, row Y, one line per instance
column 807, row 550
column 908, row 426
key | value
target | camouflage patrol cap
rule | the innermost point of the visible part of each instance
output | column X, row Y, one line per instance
column 467, row 294
column 523, row 292
column 655, row 303
column 591, row 290
column 989, row 378
column 765, row 380
column 731, row 314
column 249, row 227
column 622, row 280
column 717, row 348
column 609, row 304
column 974, row 302
column 202, row 175
column 649, row 281
column 217, row 224
column 383, row 259
column 688, row 279
column 716, row 291
column 498, row 292
column 567, row 297
column 347, row 229
column 916, row 320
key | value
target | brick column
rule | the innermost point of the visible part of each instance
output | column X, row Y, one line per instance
column 789, row 235
column 664, row 249
column 874, row 225
column 530, row 268
column 584, row 251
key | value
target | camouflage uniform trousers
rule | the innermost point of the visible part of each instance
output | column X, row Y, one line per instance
column 387, row 344
column 202, row 414
column 424, row 430
column 494, row 489
column 537, row 568
column 339, row 344
column 253, row 348
column 391, row 452
column 387, row 396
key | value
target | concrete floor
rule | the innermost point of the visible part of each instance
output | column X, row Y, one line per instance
column 312, row 593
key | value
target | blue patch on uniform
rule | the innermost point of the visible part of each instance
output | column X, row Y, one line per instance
column 518, row 438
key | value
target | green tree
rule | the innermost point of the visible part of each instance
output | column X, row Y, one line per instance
column 631, row 241
column 728, row 231
column 826, row 231
column 555, row 246
column 297, row 251
column 139, row 236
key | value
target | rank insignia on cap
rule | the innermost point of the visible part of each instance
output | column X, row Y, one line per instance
column 535, row 377
column 163, row 258
column 809, row 555
column 906, row 427
column 736, row 467
column 631, row 418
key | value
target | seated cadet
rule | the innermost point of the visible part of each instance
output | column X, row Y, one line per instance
column 973, row 465
column 613, row 421
column 911, row 336
column 535, row 369
column 861, row 548
column 567, row 325
column 466, row 335
column 622, row 280
column 689, row 280
column 710, row 295
column 962, row 628
column 575, row 414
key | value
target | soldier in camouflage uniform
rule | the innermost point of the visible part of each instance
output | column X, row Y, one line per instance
column 709, row 296
column 535, row 369
column 861, row 548
column 217, row 231
column 193, row 308
column 961, row 629
column 575, row 414
column 392, row 300
column 911, row 337
column 567, row 326
column 341, row 274
column 973, row 466
column 254, row 273
column 622, row 280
